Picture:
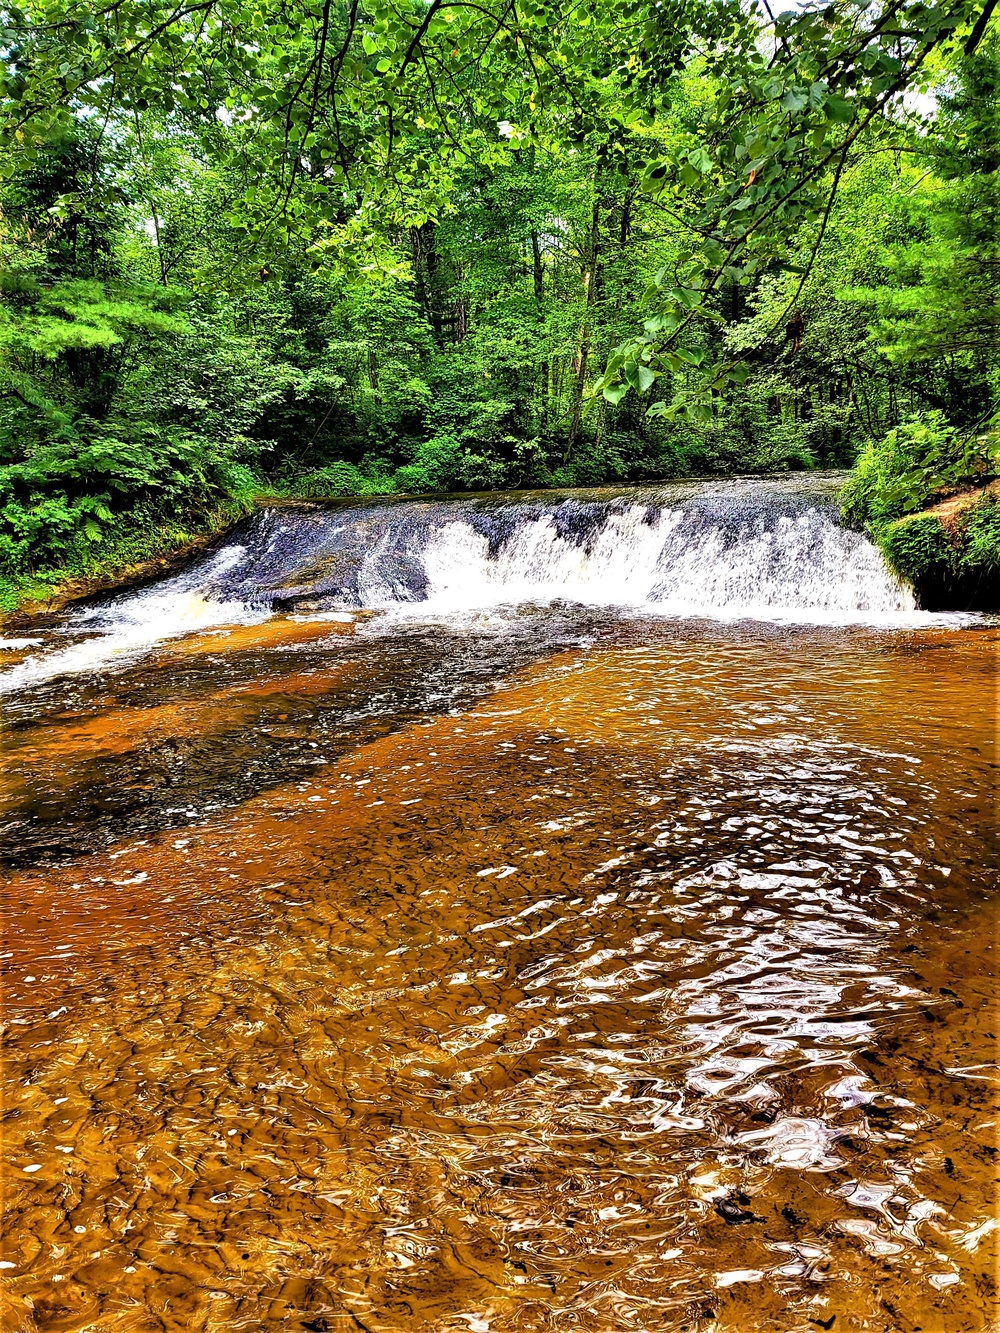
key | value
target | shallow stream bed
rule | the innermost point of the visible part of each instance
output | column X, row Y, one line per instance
column 558, row 968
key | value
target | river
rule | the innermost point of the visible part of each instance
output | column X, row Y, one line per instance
column 541, row 912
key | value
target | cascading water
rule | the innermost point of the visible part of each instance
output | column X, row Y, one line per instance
column 738, row 547
column 761, row 549
column 503, row 913
column 692, row 560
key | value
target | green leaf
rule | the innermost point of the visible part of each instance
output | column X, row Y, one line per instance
column 839, row 109
column 700, row 160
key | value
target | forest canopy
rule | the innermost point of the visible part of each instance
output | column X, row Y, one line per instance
column 338, row 248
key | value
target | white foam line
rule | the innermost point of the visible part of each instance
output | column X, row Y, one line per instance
column 803, row 570
column 129, row 629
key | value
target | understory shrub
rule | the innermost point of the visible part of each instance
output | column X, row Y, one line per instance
column 979, row 531
column 140, row 536
column 70, row 494
column 335, row 479
column 921, row 460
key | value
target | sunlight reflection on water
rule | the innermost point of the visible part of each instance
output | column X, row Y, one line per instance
column 622, row 976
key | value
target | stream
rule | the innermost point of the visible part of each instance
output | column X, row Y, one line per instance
column 545, row 911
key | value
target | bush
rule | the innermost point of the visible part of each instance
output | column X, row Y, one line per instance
column 70, row 493
column 139, row 536
column 980, row 536
column 918, row 548
column 922, row 459
column 436, row 466
column 336, row 479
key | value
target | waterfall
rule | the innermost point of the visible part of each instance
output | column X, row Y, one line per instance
column 727, row 548
column 671, row 560
column 763, row 549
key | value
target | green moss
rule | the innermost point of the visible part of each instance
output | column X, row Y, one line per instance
column 917, row 548
column 950, row 568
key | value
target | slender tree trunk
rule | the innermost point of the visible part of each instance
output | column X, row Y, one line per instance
column 372, row 370
column 590, row 282
column 461, row 309
column 536, row 262
column 160, row 258
column 579, row 371
column 424, row 265
column 159, row 247
column 626, row 225
column 546, row 412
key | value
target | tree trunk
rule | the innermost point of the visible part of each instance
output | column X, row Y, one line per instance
column 590, row 282
column 425, row 261
column 461, row 309
column 626, row 225
column 536, row 261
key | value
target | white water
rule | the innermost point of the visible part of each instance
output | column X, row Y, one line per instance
column 738, row 561
column 806, row 568
column 127, row 630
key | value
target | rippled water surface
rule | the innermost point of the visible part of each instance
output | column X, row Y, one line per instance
column 571, row 970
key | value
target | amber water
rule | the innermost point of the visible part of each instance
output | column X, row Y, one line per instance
column 588, row 971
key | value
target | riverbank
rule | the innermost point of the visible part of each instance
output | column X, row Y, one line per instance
column 950, row 551
column 146, row 545
column 140, row 551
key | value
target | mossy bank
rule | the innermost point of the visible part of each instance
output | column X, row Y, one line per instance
column 929, row 497
column 950, row 553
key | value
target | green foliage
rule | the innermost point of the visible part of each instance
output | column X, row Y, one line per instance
column 949, row 560
column 921, row 460
column 70, row 494
column 143, row 535
column 918, row 548
column 436, row 466
column 357, row 118
column 336, row 479
column 980, row 537
column 374, row 478
column 952, row 565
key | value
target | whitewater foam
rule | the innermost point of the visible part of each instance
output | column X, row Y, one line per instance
column 765, row 550
column 671, row 562
column 125, row 630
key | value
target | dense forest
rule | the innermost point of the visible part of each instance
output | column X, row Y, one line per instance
column 334, row 249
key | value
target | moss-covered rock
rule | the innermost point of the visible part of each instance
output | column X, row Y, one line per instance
column 979, row 529
column 918, row 547
column 949, row 553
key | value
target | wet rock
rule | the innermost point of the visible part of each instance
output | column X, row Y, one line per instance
column 732, row 1213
